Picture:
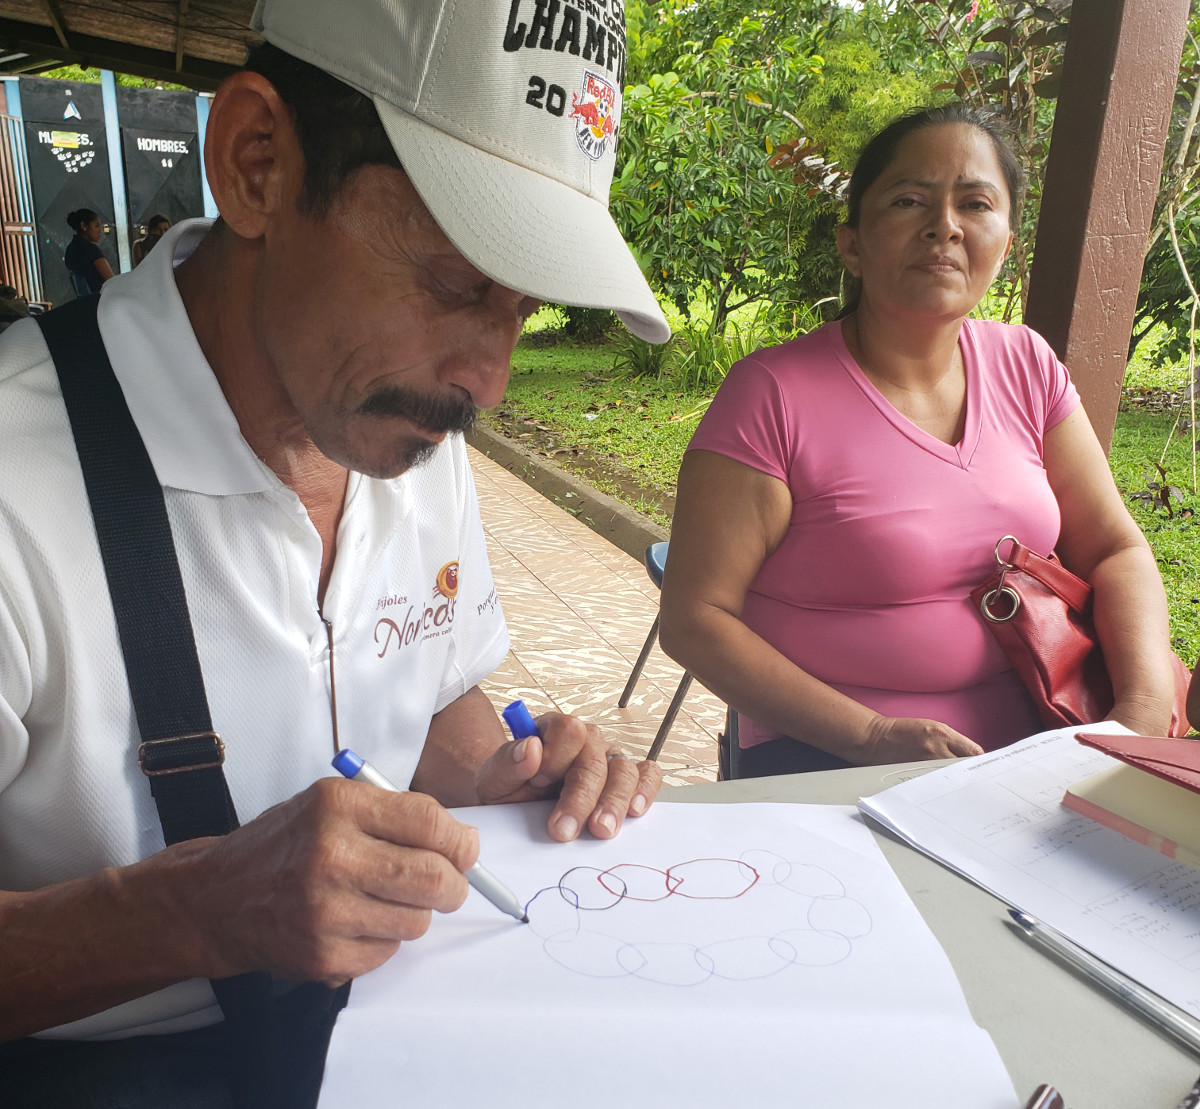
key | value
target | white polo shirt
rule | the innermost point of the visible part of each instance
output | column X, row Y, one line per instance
column 411, row 601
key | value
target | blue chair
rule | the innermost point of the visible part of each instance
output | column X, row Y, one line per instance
column 79, row 284
column 656, row 564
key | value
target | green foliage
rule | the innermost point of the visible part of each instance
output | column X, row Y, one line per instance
column 711, row 87
column 1138, row 444
column 91, row 75
column 1164, row 297
column 634, row 357
column 859, row 94
column 587, row 325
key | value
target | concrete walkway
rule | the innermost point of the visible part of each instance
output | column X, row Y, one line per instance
column 578, row 611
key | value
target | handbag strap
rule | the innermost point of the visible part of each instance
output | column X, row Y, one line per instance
column 1073, row 590
column 180, row 752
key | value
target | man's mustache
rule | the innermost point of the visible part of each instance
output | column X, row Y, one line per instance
column 434, row 413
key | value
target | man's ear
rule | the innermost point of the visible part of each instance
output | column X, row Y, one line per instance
column 847, row 244
column 251, row 154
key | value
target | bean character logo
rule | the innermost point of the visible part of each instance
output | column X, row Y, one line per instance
column 447, row 581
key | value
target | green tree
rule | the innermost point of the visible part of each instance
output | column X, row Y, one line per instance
column 859, row 93
column 1173, row 252
column 711, row 84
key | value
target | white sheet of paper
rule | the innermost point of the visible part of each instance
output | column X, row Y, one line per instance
column 999, row 820
column 718, row 955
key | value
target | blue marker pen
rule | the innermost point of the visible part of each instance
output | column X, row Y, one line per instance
column 347, row 763
column 519, row 720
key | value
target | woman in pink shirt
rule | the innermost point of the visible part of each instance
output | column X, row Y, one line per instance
column 845, row 491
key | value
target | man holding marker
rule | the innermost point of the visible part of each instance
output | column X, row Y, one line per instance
column 418, row 158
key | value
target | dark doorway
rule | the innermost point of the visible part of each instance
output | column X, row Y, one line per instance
column 68, row 169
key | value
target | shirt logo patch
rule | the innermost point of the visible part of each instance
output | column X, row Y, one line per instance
column 427, row 621
column 447, row 581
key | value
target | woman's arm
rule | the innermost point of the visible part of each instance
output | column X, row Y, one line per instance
column 1101, row 543
column 728, row 519
column 103, row 269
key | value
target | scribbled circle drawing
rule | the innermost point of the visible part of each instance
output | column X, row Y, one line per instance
column 570, row 918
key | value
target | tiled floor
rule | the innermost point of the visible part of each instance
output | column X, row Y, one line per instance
column 578, row 611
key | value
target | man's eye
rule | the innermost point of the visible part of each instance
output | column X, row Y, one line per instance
column 460, row 295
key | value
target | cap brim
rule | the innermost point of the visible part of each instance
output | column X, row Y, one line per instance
column 522, row 229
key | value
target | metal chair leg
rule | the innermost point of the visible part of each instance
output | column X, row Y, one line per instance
column 672, row 712
column 637, row 666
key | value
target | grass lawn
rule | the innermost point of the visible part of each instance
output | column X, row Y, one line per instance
column 627, row 438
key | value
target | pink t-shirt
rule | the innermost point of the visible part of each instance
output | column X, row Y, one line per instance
column 891, row 528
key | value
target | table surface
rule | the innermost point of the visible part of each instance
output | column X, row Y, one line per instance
column 1048, row 1024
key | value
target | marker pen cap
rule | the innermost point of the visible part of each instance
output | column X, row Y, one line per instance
column 519, row 720
column 347, row 762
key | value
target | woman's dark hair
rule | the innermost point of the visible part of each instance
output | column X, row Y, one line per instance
column 880, row 152
column 79, row 218
column 338, row 127
column 155, row 220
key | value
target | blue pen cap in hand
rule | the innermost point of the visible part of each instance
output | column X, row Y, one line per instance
column 347, row 763
column 519, row 720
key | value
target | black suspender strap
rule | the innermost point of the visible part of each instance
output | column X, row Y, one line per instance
column 180, row 752
column 276, row 1048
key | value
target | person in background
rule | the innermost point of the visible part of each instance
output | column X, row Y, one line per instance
column 156, row 227
column 846, row 490
column 83, row 256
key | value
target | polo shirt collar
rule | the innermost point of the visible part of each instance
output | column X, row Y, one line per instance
column 190, row 432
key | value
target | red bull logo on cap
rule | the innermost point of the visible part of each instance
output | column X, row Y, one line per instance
column 593, row 110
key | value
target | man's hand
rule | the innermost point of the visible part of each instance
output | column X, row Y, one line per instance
column 326, row 885
column 597, row 786
column 322, row 887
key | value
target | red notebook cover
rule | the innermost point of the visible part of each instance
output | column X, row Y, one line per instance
column 1176, row 760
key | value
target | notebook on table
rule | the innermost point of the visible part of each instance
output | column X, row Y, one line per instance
column 1152, row 797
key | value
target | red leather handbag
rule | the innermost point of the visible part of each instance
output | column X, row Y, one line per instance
column 1041, row 615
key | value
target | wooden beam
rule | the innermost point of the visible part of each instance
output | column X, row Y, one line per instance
column 1102, row 174
column 56, row 22
column 181, row 27
column 121, row 57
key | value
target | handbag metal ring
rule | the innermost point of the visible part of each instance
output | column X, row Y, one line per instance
column 1014, row 600
column 999, row 542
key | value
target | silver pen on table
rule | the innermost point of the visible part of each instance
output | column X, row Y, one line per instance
column 1142, row 1001
column 347, row 763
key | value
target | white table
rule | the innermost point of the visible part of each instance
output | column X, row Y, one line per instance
column 1048, row 1024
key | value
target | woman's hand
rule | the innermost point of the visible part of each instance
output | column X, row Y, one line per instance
column 904, row 739
column 1143, row 716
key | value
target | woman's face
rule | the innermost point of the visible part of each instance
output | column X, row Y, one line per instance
column 93, row 230
column 933, row 229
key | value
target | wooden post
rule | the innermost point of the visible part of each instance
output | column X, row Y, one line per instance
column 1102, row 174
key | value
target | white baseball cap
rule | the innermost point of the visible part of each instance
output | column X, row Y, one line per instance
column 504, row 114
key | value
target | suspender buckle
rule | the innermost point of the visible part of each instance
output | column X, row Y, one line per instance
column 175, row 754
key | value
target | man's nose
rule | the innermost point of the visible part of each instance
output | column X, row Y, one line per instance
column 481, row 361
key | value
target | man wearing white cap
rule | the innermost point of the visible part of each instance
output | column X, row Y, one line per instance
column 401, row 183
